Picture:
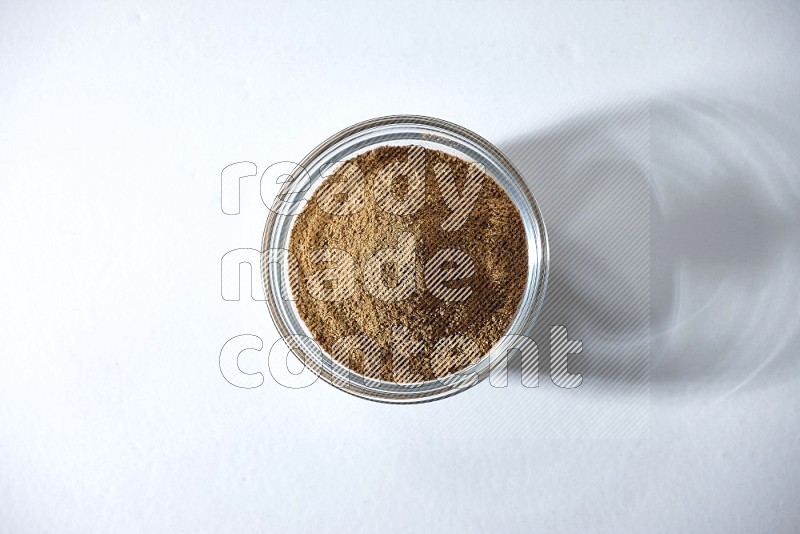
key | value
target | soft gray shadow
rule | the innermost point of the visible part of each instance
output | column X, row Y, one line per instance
column 718, row 184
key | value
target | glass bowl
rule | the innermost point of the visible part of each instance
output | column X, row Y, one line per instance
column 397, row 130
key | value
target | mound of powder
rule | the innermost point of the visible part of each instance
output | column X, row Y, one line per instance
column 409, row 263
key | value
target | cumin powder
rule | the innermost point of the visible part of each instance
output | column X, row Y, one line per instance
column 409, row 263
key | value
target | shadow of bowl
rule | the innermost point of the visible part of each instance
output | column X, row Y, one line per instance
column 673, row 227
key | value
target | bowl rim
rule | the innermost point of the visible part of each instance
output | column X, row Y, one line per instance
column 495, row 356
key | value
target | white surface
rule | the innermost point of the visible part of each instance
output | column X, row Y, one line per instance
column 115, row 122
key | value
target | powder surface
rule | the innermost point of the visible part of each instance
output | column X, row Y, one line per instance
column 410, row 263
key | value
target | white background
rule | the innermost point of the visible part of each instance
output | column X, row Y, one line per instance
column 115, row 122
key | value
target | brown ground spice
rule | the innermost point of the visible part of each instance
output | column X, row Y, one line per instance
column 406, row 331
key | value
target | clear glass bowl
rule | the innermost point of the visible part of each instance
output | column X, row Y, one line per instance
column 397, row 130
